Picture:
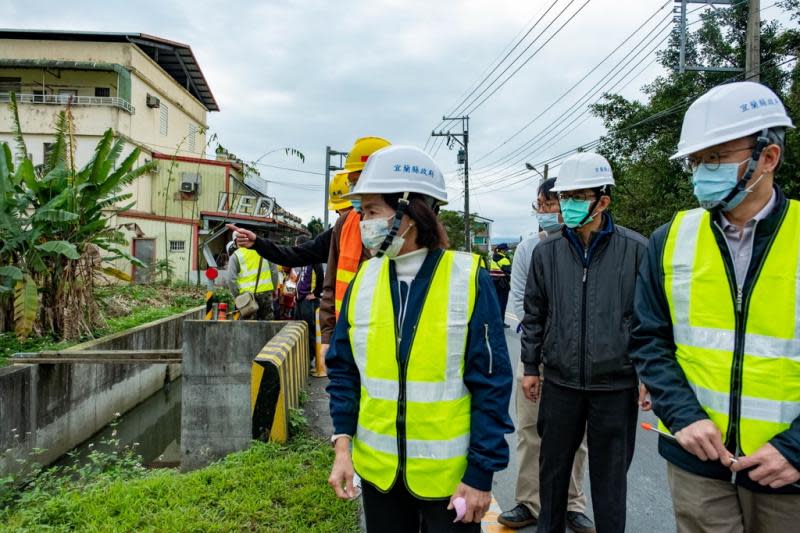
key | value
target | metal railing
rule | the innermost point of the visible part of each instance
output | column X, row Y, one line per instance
column 64, row 99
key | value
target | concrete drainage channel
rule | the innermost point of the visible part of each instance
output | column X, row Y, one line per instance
column 228, row 368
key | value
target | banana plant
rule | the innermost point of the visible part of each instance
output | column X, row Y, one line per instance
column 53, row 220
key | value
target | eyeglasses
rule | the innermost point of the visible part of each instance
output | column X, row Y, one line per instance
column 577, row 195
column 710, row 161
column 549, row 206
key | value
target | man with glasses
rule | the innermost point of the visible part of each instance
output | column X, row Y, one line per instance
column 717, row 322
column 528, row 442
column 578, row 309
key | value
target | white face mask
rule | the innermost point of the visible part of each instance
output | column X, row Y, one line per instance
column 375, row 231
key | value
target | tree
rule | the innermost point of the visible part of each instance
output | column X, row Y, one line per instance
column 453, row 223
column 642, row 136
column 54, row 228
column 315, row 226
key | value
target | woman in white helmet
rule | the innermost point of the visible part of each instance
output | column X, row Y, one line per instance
column 419, row 373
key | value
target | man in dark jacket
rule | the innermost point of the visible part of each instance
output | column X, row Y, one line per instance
column 500, row 270
column 716, row 331
column 578, row 307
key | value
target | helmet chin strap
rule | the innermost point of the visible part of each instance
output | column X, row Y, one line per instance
column 761, row 143
column 402, row 205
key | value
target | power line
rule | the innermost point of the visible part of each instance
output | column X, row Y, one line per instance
column 473, row 109
column 560, row 98
column 615, row 76
column 656, row 116
column 497, row 64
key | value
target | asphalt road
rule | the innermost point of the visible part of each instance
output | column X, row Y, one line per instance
column 649, row 503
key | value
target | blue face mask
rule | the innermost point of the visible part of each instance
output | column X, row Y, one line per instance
column 574, row 212
column 711, row 187
column 548, row 222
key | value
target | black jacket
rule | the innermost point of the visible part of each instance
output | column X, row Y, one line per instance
column 308, row 253
column 653, row 352
column 579, row 307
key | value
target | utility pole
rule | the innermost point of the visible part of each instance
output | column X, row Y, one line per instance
column 463, row 157
column 680, row 20
column 752, row 65
column 328, row 168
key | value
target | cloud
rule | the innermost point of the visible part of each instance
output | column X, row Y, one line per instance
column 313, row 73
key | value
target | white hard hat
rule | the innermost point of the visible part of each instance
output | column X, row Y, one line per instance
column 401, row 169
column 584, row 170
column 729, row 112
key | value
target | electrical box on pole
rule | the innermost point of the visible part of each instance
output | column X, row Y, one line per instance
column 463, row 159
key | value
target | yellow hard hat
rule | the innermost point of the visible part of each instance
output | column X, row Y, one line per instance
column 360, row 152
column 339, row 187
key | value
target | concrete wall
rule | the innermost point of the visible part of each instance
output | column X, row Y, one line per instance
column 220, row 399
column 56, row 407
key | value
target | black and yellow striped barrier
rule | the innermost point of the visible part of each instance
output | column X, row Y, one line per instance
column 279, row 373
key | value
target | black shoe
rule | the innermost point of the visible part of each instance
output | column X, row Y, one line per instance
column 579, row 522
column 506, row 326
column 519, row 516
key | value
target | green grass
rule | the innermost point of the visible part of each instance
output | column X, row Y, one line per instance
column 269, row 487
column 142, row 304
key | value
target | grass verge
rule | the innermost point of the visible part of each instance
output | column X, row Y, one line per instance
column 269, row 487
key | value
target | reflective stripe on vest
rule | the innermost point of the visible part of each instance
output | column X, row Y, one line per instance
column 437, row 406
column 349, row 256
column 703, row 308
column 248, row 271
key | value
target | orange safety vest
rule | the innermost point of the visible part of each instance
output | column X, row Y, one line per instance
column 349, row 256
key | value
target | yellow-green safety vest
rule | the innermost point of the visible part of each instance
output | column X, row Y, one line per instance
column 427, row 395
column 724, row 336
column 248, row 272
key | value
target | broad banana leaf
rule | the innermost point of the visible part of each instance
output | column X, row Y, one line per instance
column 26, row 305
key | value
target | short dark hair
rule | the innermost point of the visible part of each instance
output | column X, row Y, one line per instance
column 546, row 189
column 430, row 232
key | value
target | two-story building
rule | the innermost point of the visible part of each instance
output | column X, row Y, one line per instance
column 152, row 93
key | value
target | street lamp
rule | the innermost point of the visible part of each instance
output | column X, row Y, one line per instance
column 531, row 167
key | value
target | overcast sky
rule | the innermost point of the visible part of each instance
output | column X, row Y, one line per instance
column 312, row 73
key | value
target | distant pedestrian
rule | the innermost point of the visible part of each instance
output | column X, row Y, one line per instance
column 500, row 270
column 309, row 293
column 578, row 307
column 248, row 272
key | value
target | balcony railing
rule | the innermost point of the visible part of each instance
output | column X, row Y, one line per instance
column 64, row 99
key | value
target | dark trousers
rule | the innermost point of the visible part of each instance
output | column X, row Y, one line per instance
column 609, row 420
column 306, row 311
column 398, row 511
column 265, row 311
column 502, row 287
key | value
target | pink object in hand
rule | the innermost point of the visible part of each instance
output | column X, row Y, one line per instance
column 461, row 508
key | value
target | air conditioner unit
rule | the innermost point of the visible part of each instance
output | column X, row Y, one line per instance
column 153, row 101
column 190, row 182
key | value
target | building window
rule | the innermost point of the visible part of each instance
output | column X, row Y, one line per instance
column 102, row 92
column 164, row 116
column 191, row 138
column 177, row 246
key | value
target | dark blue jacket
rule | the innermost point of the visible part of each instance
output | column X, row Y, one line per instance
column 653, row 353
column 487, row 373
